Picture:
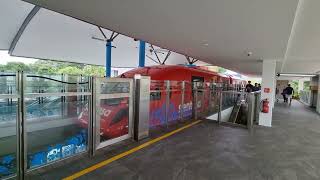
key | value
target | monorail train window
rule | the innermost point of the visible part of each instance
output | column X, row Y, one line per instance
column 155, row 95
column 197, row 81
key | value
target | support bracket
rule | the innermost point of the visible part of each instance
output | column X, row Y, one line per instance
column 191, row 60
column 156, row 52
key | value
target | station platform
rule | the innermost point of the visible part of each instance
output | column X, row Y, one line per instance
column 206, row 150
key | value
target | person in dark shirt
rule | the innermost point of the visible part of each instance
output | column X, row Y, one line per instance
column 259, row 86
column 255, row 87
column 284, row 95
column 289, row 92
column 249, row 87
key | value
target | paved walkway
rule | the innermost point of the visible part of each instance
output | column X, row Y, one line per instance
column 289, row 150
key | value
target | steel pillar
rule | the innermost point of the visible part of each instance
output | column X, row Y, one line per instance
column 108, row 58
column 142, row 54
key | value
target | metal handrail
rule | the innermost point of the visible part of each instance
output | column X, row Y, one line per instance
column 64, row 94
column 64, row 82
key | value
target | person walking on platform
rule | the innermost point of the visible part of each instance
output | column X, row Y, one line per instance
column 289, row 92
column 255, row 87
column 284, row 93
column 249, row 87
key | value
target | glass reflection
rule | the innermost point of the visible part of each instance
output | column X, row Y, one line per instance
column 114, row 118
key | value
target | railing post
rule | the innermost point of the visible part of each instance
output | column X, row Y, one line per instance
column 92, row 117
column 195, row 104
column 203, row 108
column 21, row 129
column 220, row 106
column 167, row 102
column 210, row 99
column 251, row 104
column 141, row 106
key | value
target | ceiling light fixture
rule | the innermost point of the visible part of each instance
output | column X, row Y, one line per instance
column 249, row 53
column 295, row 75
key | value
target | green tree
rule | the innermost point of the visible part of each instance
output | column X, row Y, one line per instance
column 306, row 85
column 44, row 67
column 16, row 66
column 47, row 67
column 2, row 68
column 90, row 70
column 295, row 85
column 70, row 70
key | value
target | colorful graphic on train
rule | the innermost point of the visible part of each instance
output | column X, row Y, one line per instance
column 114, row 120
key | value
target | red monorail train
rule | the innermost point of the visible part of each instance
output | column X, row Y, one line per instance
column 114, row 115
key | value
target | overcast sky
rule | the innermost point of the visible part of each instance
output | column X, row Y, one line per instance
column 5, row 57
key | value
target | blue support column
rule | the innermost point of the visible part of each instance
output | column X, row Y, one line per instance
column 108, row 58
column 142, row 54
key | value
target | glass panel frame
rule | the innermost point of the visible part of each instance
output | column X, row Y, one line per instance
column 9, row 96
column 126, row 92
column 69, row 88
column 158, row 104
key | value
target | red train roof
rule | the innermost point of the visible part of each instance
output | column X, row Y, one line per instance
column 166, row 69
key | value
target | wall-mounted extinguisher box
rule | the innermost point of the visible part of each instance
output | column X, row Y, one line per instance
column 265, row 106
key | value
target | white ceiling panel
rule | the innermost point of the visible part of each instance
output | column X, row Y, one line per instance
column 214, row 31
column 304, row 48
column 12, row 15
column 51, row 35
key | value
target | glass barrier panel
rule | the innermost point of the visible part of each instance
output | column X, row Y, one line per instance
column 206, row 99
column 8, row 138
column 236, row 107
column 44, row 83
column 213, row 100
column 186, row 108
column 115, row 87
column 56, row 83
column 175, row 100
column 229, row 99
column 53, row 135
column 157, row 111
column 8, row 123
column 200, row 102
column 114, row 118
column 7, row 83
column 56, row 128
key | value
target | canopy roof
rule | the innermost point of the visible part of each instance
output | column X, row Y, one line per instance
column 31, row 31
column 220, row 32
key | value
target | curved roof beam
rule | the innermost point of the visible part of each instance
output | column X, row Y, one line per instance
column 25, row 23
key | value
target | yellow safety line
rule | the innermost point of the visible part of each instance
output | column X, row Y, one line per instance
column 119, row 156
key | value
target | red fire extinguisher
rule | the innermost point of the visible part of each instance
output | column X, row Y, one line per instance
column 265, row 106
